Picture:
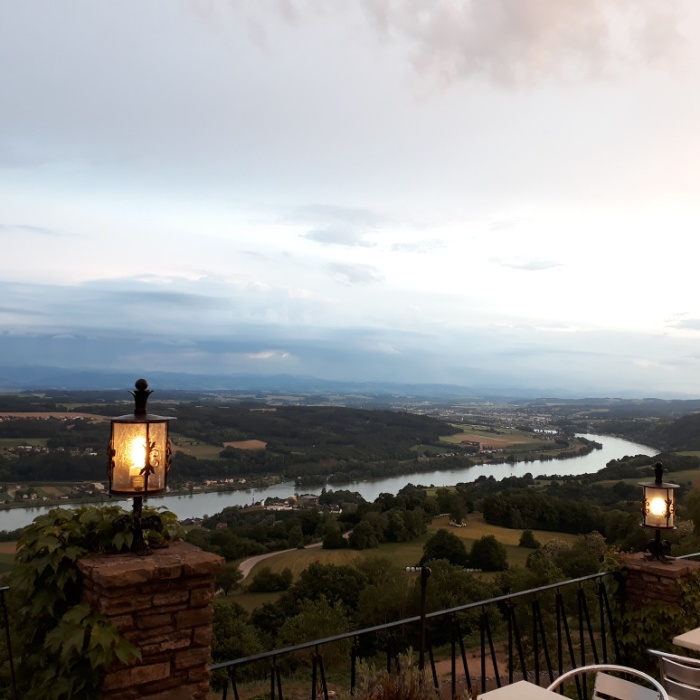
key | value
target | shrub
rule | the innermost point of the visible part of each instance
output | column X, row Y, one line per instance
column 527, row 539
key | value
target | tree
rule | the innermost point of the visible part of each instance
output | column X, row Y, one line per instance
column 363, row 536
column 233, row 636
column 334, row 537
column 396, row 530
column 692, row 505
column 527, row 539
column 488, row 554
column 317, row 619
column 445, row 545
column 458, row 508
column 267, row 581
column 229, row 578
column 339, row 584
column 296, row 537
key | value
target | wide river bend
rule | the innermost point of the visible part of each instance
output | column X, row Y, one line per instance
column 201, row 504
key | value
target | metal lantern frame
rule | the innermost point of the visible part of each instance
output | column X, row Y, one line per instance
column 139, row 460
column 658, row 511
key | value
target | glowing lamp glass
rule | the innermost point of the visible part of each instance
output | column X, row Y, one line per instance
column 659, row 505
column 139, row 464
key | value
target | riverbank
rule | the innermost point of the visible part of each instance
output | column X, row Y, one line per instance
column 201, row 504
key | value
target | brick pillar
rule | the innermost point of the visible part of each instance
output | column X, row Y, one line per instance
column 654, row 582
column 162, row 604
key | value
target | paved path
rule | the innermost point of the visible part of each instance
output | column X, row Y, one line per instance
column 246, row 565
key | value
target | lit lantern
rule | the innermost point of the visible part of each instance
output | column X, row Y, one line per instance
column 139, row 450
column 139, row 461
column 658, row 511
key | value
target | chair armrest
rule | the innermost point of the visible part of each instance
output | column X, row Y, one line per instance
column 615, row 668
column 678, row 658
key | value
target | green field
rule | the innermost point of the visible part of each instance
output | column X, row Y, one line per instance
column 16, row 442
column 200, row 450
column 406, row 554
column 503, row 437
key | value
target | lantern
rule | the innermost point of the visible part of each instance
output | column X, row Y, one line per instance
column 139, row 450
column 139, row 460
column 658, row 511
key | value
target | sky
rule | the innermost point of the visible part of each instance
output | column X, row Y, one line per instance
column 470, row 192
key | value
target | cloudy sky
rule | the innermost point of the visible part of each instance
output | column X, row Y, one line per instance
column 461, row 191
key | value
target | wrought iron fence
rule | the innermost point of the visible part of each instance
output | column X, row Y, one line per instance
column 8, row 682
column 533, row 635
column 540, row 633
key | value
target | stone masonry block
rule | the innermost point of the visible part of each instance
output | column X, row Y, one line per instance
column 193, row 618
column 191, row 657
column 155, row 620
column 130, row 677
column 201, row 597
column 171, row 598
column 202, row 636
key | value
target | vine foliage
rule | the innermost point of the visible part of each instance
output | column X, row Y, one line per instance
column 65, row 646
column 654, row 625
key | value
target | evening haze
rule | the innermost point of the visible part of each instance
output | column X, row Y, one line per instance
column 476, row 192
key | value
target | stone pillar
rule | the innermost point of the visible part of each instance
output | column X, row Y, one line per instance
column 161, row 603
column 654, row 582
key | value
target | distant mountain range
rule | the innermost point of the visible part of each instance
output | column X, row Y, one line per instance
column 40, row 378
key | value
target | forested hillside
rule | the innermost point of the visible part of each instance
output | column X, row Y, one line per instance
column 307, row 442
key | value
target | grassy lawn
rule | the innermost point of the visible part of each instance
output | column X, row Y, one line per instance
column 476, row 528
column 405, row 554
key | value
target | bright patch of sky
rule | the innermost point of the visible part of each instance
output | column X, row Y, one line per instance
column 476, row 192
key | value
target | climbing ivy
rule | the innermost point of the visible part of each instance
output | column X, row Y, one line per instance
column 65, row 646
column 654, row 625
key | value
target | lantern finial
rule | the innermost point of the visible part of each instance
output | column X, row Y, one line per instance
column 140, row 397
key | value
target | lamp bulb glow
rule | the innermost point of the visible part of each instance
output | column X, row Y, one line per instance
column 657, row 506
column 137, row 453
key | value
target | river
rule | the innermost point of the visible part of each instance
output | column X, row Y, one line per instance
column 201, row 504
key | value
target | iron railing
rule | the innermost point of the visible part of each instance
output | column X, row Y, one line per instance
column 542, row 632
column 10, row 684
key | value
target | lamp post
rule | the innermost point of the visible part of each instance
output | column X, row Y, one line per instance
column 425, row 573
column 658, row 511
column 139, row 460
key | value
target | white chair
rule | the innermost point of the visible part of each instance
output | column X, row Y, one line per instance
column 680, row 675
column 609, row 687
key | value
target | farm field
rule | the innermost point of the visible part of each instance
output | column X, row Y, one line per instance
column 200, row 450
column 247, row 445
column 489, row 438
column 682, row 477
column 53, row 414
